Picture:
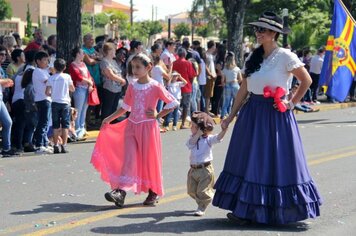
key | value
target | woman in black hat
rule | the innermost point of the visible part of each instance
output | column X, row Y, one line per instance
column 265, row 177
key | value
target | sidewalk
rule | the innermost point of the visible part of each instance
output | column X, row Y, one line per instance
column 324, row 106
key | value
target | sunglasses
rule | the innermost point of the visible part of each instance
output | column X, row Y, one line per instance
column 259, row 29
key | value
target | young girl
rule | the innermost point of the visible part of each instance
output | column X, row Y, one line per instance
column 174, row 87
column 128, row 154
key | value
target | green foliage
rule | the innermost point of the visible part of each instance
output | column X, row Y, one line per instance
column 181, row 29
column 28, row 30
column 204, row 31
column 100, row 20
column 143, row 30
column 120, row 18
column 5, row 10
column 86, row 18
column 25, row 40
column 86, row 29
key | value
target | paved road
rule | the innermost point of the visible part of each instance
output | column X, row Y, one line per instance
column 63, row 195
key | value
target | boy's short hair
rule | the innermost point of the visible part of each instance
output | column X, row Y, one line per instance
column 40, row 55
column 59, row 64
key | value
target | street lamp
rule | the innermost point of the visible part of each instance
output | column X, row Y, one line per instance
column 169, row 26
column 285, row 24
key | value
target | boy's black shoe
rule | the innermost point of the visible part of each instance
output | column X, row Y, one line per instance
column 151, row 199
column 56, row 149
column 238, row 220
column 63, row 149
column 9, row 153
column 29, row 148
column 117, row 196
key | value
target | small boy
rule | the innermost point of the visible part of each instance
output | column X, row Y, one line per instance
column 43, row 102
column 58, row 87
column 200, row 181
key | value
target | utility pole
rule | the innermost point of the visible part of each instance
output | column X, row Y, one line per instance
column 153, row 12
column 131, row 13
column 156, row 12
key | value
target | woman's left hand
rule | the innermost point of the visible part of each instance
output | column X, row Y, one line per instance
column 90, row 88
column 151, row 113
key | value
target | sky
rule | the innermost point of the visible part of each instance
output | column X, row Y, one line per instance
column 164, row 8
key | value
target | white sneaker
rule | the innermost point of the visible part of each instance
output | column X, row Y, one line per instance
column 166, row 128
column 188, row 119
column 174, row 128
column 44, row 150
column 199, row 212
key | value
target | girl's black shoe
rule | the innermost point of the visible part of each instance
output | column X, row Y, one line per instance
column 117, row 196
column 151, row 199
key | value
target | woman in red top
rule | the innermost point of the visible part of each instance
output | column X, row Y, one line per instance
column 83, row 83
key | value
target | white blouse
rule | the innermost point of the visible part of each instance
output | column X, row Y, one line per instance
column 275, row 71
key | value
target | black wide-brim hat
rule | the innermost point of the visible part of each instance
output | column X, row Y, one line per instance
column 271, row 21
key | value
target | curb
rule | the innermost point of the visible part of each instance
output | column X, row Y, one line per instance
column 91, row 135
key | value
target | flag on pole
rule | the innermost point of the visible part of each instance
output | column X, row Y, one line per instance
column 339, row 65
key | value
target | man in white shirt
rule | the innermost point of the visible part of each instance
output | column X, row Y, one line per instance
column 316, row 64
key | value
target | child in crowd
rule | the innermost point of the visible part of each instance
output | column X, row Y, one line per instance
column 137, row 164
column 58, row 87
column 72, row 135
column 43, row 102
column 174, row 87
column 200, row 181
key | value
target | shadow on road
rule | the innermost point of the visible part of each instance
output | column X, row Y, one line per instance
column 197, row 224
column 310, row 121
column 67, row 207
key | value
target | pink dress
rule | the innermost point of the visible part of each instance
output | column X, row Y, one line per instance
column 128, row 154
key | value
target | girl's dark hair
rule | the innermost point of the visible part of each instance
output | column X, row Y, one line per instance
column 155, row 47
column 253, row 64
column 40, row 55
column 15, row 54
column 75, row 51
column 27, row 78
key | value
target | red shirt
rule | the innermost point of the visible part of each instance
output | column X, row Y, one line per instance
column 33, row 46
column 78, row 73
column 185, row 68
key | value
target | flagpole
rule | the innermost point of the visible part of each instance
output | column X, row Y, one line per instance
column 347, row 11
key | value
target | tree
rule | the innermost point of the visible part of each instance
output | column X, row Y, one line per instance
column 5, row 10
column 204, row 30
column 181, row 29
column 235, row 14
column 68, row 27
column 28, row 30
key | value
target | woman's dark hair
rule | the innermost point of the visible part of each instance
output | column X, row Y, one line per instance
column 253, row 64
column 15, row 54
column 155, row 47
column 75, row 51
column 27, row 78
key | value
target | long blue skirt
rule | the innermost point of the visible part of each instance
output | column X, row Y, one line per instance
column 265, row 177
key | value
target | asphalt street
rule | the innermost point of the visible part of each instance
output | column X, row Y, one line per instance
column 63, row 195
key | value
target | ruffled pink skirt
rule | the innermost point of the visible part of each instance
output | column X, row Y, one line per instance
column 129, row 157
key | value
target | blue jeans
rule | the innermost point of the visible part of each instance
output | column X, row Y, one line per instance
column 6, row 122
column 19, row 123
column 80, row 96
column 202, row 98
column 44, row 115
column 193, row 97
column 168, row 118
column 229, row 94
column 159, row 105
